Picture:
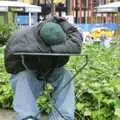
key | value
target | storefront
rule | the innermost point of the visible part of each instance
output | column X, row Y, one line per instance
column 108, row 13
column 10, row 9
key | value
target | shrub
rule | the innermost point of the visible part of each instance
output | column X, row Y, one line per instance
column 5, row 90
column 97, row 85
column 5, row 32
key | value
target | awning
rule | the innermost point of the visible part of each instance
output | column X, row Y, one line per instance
column 16, row 6
column 110, row 7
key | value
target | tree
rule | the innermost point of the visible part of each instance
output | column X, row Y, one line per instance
column 52, row 8
column 53, row 4
column 68, row 3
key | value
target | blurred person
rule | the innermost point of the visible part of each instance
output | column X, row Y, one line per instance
column 30, row 59
column 104, row 41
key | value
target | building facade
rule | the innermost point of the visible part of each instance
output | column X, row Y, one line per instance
column 84, row 9
column 8, row 17
column 106, row 17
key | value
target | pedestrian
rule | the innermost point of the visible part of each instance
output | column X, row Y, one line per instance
column 104, row 41
column 37, row 54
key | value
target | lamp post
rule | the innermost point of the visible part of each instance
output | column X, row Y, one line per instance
column 67, row 5
column 85, row 10
column 76, row 11
column 38, row 15
column 52, row 8
column 45, row 5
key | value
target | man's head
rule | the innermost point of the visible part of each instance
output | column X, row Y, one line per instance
column 52, row 33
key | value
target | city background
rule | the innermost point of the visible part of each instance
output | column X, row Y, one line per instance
column 97, row 86
column 83, row 11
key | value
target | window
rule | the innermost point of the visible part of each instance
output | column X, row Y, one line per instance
column 2, row 18
column 95, row 3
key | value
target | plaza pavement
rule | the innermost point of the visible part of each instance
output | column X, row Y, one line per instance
column 7, row 115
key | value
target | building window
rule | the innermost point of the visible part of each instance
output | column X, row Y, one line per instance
column 2, row 18
column 111, row 0
column 95, row 3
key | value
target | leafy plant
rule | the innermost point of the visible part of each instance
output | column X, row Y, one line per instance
column 5, row 90
column 44, row 101
column 97, row 86
column 5, row 32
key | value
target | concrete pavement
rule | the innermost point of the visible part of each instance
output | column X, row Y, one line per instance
column 10, row 115
column 7, row 115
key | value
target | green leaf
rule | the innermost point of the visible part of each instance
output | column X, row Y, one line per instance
column 79, row 106
column 117, row 112
column 87, row 112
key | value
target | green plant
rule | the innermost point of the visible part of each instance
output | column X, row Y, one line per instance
column 98, row 85
column 5, row 90
column 5, row 32
column 44, row 101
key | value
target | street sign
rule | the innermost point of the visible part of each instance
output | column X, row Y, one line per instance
column 16, row 9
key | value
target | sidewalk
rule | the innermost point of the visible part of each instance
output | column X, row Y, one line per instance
column 7, row 115
column 10, row 115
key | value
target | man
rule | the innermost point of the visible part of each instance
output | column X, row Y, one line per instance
column 38, row 54
column 104, row 41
